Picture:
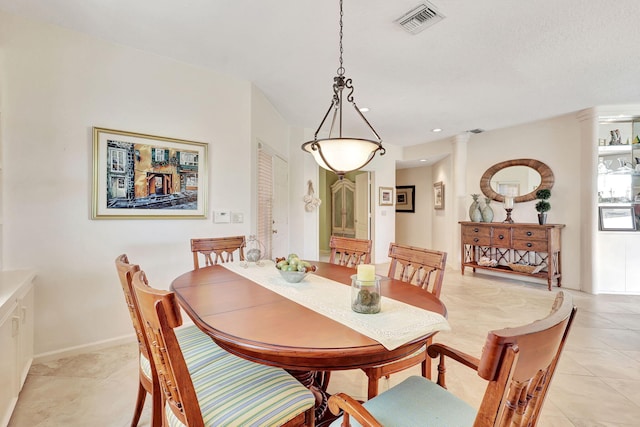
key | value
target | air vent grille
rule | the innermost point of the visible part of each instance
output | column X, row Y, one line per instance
column 419, row 18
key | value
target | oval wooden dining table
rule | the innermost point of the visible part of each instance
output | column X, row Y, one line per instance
column 252, row 322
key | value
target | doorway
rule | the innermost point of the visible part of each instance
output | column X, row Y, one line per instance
column 272, row 228
column 360, row 209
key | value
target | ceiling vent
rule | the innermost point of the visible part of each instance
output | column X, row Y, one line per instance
column 419, row 18
column 475, row 130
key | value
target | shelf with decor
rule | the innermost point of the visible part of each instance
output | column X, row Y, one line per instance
column 618, row 175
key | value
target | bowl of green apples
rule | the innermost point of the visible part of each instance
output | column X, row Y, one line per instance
column 293, row 269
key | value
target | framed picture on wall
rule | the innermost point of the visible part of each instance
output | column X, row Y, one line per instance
column 144, row 176
column 617, row 218
column 385, row 196
column 405, row 198
column 438, row 195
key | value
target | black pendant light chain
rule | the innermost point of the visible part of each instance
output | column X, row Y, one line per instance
column 341, row 68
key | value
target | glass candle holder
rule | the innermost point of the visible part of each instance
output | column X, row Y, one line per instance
column 365, row 295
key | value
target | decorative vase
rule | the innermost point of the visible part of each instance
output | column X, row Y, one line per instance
column 542, row 218
column 474, row 209
column 487, row 211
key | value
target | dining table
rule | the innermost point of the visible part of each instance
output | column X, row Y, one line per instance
column 250, row 311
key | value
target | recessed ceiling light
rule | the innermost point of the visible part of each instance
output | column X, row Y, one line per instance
column 423, row 160
column 436, row 130
column 363, row 109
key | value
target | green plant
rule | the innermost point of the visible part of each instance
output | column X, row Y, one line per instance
column 543, row 206
column 543, row 194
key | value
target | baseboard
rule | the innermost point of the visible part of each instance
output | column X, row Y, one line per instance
column 86, row 348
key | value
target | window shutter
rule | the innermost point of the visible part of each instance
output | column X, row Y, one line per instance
column 178, row 156
column 153, row 155
column 166, row 155
column 265, row 198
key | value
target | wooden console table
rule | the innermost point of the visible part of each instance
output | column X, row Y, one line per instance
column 512, row 244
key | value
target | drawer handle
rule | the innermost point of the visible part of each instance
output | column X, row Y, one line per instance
column 529, row 233
column 476, row 240
column 501, row 237
column 529, row 245
column 476, row 230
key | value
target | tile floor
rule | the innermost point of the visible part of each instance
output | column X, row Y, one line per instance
column 596, row 383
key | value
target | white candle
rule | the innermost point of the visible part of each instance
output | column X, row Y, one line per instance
column 366, row 272
column 508, row 202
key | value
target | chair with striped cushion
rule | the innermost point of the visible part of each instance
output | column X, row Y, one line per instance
column 517, row 363
column 421, row 267
column 196, row 345
column 348, row 251
column 229, row 391
column 217, row 249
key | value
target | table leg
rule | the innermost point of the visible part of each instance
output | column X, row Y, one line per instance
column 315, row 381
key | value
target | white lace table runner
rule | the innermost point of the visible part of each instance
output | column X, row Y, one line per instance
column 396, row 324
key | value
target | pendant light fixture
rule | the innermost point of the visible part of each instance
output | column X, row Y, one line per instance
column 338, row 153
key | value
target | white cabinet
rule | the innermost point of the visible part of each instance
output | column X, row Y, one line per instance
column 16, row 336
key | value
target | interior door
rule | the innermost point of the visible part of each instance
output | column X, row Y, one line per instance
column 362, row 206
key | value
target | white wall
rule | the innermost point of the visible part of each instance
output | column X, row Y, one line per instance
column 416, row 229
column 556, row 142
column 56, row 85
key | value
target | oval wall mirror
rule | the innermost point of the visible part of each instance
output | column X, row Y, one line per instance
column 520, row 178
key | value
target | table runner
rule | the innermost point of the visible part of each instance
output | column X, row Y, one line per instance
column 396, row 324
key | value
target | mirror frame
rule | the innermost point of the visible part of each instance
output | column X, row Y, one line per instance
column 546, row 179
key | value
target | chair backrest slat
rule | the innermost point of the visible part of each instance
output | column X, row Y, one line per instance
column 160, row 314
column 421, row 267
column 519, row 364
column 349, row 252
column 217, row 249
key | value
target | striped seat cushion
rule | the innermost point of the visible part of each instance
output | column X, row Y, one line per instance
column 197, row 347
column 235, row 392
column 417, row 401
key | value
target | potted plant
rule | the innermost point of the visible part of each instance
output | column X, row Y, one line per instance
column 543, row 206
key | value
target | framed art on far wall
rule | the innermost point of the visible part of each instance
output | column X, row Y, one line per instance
column 617, row 218
column 385, row 196
column 405, row 198
column 438, row 195
column 144, row 176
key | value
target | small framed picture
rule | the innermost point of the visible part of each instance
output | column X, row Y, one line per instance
column 405, row 198
column 385, row 196
column 617, row 218
column 438, row 195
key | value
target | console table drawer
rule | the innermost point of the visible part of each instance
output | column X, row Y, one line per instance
column 530, row 245
column 501, row 237
column 529, row 233
column 476, row 231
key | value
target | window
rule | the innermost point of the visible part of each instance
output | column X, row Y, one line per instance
column 159, row 155
column 117, row 159
column 192, row 181
column 188, row 159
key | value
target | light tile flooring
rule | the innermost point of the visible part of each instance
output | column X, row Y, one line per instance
column 596, row 383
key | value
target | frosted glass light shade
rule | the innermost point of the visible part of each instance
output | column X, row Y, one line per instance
column 342, row 155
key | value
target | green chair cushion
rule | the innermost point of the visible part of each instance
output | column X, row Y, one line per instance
column 197, row 347
column 235, row 392
column 417, row 402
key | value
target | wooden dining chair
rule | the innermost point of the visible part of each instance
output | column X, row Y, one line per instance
column 229, row 391
column 517, row 363
column 348, row 251
column 217, row 249
column 196, row 344
column 421, row 267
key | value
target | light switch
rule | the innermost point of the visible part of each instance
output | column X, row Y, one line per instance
column 237, row 217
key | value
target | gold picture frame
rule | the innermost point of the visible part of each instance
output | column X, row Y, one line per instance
column 438, row 195
column 140, row 176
